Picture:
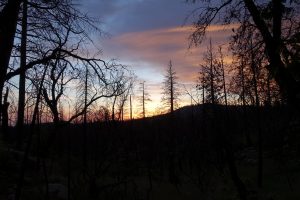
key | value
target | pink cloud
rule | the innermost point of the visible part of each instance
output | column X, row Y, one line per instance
column 149, row 52
column 157, row 47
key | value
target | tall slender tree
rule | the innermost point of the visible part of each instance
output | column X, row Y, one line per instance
column 170, row 89
column 211, row 76
column 5, row 114
column 22, row 79
column 144, row 98
column 8, row 26
column 222, row 69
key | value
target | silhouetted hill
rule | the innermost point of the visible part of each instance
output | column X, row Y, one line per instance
column 184, row 154
column 202, row 109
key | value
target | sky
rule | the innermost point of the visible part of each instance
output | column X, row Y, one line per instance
column 146, row 35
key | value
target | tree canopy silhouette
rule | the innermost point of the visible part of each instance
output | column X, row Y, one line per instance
column 275, row 22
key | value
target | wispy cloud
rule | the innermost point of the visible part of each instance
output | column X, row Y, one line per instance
column 154, row 48
column 149, row 52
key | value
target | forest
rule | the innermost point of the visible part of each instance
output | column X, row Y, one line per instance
column 76, row 125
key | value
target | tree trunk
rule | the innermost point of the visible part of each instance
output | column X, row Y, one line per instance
column 5, row 115
column 69, row 164
column 241, row 188
column 28, row 146
column 211, row 74
column 259, row 140
column 22, row 80
column 269, row 100
column 130, row 107
column 52, row 104
column 171, row 88
column 8, row 25
column 113, row 109
column 144, row 110
column 203, row 93
column 223, row 76
column 288, row 85
column 85, row 121
column 254, row 68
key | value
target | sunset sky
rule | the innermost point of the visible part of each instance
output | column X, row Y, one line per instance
column 146, row 34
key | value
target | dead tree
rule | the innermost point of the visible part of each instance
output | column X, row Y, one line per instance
column 222, row 69
column 143, row 99
column 22, row 80
column 40, row 31
column 123, row 98
column 170, row 89
column 8, row 26
column 278, row 43
column 211, row 77
column 29, row 143
column 4, row 108
column 59, row 76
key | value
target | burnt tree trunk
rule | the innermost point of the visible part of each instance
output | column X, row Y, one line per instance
column 85, row 165
column 8, row 26
column 5, row 115
column 211, row 71
column 22, row 80
column 288, row 85
column 254, row 69
column 28, row 146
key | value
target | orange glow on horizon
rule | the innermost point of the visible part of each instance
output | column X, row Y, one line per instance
column 152, row 49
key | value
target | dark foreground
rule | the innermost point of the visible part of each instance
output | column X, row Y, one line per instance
column 196, row 153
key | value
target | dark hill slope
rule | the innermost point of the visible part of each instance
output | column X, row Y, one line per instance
column 179, row 156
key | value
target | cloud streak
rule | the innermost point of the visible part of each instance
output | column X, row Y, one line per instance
column 148, row 52
column 154, row 48
column 124, row 16
column 146, row 34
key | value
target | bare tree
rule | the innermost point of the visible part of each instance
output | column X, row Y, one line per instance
column 170, row 88
column 277, row 30
column 222, row 69
column 144, row 98
column 8, row 20
column 247, row 44
column 212, row 83
column 22, row 80
column 36, row 40
column 128, row 88
column 5, row 107
column 59, row 77
column 29, row 143
column 38, row 36
column 193, row 93
column 211, row 77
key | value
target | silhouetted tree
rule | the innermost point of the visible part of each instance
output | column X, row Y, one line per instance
column 8, row 20
column 46, row 35
column 211, row 77
column 193, row 93
column 221, row 66
column 275, row 22
column 59, row 76
column 126, row 85
column 144, row 98
column 200, row 86
column 128, row 88
column 4, row 108
column 245, row 42
column 170, row 89
column 29, row 142
column 212, row 82
column 22, row 80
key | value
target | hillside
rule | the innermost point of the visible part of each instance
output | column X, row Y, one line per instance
column 181, row 156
